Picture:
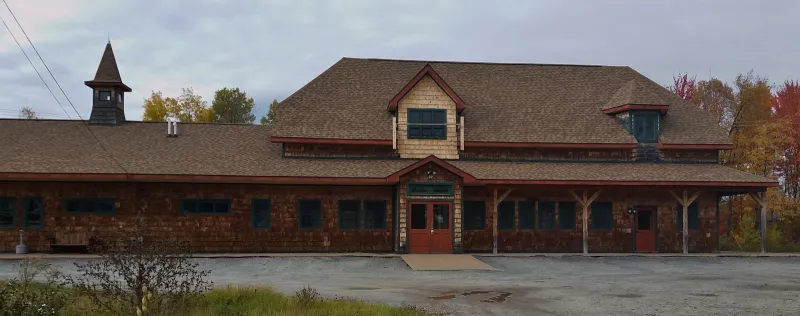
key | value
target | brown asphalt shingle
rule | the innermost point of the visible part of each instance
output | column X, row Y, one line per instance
column 504, row 103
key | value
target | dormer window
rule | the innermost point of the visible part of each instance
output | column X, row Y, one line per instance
column 104, row 95
column 427, row 124
column 645, row 126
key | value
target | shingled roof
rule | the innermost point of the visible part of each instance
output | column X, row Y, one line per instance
column 107, row 71
column 503, row 103
column 52, row 147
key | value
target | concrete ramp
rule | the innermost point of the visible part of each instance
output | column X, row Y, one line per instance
column 444, row 262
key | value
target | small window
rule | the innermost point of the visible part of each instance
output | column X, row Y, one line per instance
column 348, row 214
column 104, row 95
column 33, row 208
column 8, row 212
column 206, row 206
column 89, row 206
column 309, row 214
column 547, row 215
column 427, row 123
column 430, row 189
column 474, row 215
column 694, row 217
column 261, row 213
column 375, row 214
column 645, row 126
column 505, row 215
column 527, row 215
column 119, row 97
column 566, row 215
column 602, row 216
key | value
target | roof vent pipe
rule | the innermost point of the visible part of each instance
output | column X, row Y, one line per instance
column 169, row 126
column 172, row 127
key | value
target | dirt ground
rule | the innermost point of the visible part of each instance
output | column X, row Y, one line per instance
column 533, row 286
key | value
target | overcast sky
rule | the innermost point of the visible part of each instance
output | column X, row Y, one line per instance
column 271, row 48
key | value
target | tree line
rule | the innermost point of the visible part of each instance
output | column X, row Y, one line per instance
column 230, row 105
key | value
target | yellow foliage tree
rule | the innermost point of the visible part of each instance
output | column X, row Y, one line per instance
column 188, row 107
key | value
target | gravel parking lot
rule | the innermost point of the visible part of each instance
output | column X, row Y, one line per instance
column 533, row 286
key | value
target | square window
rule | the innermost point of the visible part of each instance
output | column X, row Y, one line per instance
column 645, row 126
column 261, row 213
column 694, row 217
column 474, row 215
column 309, row 214
column 104, row 95
column 505, row 215
column 602, row 216
column 205, row 206
column 8, row 211
column 547, row 215
column 427, row 123
column 374, row 214
column 34, row 212
column 89, row 206
column 566, row 215
column 348, row 214
column 527, row 215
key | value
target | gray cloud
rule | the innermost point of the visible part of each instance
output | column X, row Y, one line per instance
column 270, row 49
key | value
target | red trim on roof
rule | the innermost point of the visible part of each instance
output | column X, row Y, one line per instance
column 427, row 70
column 185, row 178
column 632, row 183
column 395, row 177
column 337, row 141
column 695, row 146
column 628, row 107
column 551, row 145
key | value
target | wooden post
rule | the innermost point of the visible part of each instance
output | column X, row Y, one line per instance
column 461, row 131
column 685, row 201
column 495, row 202
column 394, row 132
column 586, row 203
column 761, row 199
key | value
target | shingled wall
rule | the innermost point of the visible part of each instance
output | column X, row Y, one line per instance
column 427, row 95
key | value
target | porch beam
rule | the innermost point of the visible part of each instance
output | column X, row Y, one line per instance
column 585, row 202
column 761, row 199
column 495, row 203
column 685, row 200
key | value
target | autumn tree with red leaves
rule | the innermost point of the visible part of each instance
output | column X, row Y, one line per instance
column 786, row 104
column 683, row 86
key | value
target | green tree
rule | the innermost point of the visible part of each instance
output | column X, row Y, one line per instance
column 233, row 106
column 188, row 107
column 270, row 117
column 28, row 113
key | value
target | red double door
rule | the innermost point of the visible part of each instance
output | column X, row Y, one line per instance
column 430, row 227
column 645, row 230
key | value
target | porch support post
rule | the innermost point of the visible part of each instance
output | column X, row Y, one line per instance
column 585, row 201
column 495, row 202
column 761, row 199
column 685, row 200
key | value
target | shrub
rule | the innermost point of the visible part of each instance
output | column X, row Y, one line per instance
column 306, row 296
column 23, row 297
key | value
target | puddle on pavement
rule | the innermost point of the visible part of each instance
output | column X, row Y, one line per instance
column 497, row 296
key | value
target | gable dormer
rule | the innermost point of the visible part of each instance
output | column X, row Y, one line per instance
column 426, row 111
column 639, row 109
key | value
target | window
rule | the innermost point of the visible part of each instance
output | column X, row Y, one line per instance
column 602, row 216
column 427, row 123
column 348, row 214
column 119, row 97
column 104, row 95
column 309, row 214
column 566, row 215
column 206, row 206
column 474, row 215
column 505, row 215
column 547, row 215
column 375, row 214
column 261, row 213
column 8, row 211
column 33, row 208
column 645, row 126
column 694, row 217
column 89, row 206
column 430, row 189
column 527, row 215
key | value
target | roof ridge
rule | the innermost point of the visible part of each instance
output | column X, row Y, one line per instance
column 484, row 62
column 126, row 122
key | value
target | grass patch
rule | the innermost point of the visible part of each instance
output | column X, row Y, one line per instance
column 246, row 301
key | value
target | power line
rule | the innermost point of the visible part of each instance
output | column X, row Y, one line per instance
column 57, row 84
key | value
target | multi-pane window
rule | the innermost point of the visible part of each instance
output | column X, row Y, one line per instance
column 89, row 206
column 645, row 126
column 261, row 213
column 505, row 215
column 206, row 206
column 602, row 216
column 33, row 210
column 566, row 215
column 547, row 215
column 430, row 188
column 374, row 214
column 309, row 214
column 694, row 217
column 474, row 215
column 8, row 210
column 348, row 214
column 527, row 215
column 427, row 123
